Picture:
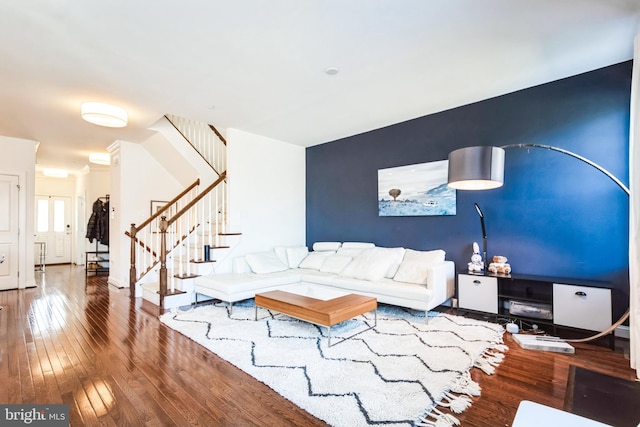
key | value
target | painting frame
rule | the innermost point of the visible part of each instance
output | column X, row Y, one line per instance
column 156, row 205
column 416, row 190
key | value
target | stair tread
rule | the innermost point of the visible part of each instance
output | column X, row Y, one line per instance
column 185, row 276
column 174, row 292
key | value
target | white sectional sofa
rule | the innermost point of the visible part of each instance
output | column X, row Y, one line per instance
column 419, row 280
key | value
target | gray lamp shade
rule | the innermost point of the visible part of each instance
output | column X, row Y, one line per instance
column 476, row 168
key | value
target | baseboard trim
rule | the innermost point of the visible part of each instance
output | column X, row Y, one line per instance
column 116, row 283
column 622, row 332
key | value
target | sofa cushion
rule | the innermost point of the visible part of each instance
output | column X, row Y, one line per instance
column 381, row 288
column 335, row 264
column 234, row 283
column 291, row 255
column 373, row 264
column 265, row 262
column 315, row 259
column 296, row 255
column 281, row 251
column 397, row 255
column 415, row 265
column 326, row 246
column 350, row 252
column 358, row 245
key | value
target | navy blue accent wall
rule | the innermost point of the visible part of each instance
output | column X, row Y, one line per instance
column 555, row 216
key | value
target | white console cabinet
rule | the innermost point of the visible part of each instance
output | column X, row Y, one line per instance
column 581, row 307
column 479, row 293
column 573, row 303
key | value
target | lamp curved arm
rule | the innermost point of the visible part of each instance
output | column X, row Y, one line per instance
column 624, row 188
column 577, row 156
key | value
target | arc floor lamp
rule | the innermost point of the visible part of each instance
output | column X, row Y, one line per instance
column 482, row 168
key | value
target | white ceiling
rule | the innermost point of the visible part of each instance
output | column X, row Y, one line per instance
column 259, row 65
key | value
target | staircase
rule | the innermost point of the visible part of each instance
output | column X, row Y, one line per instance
column 182, row 239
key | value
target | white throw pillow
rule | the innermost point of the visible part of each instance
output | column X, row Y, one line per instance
column 314, row 260
column 415, row 266
column 265, row 262
column 326, row 246
column 435, row 256
column 296, row 255
column 358, row 245
column 281, row 251
column 335, row 264
column 397, row 255
column 372, row 264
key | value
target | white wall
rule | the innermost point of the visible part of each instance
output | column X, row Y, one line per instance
column 266, row 194
column 47, row 186
column 169, row 149
column 19, row 158
column 136, row 179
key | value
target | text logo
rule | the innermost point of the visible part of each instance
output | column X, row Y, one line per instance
column 34, row 415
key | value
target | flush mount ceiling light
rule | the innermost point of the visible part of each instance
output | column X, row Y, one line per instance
column 331, row 71
column 100, row 158
column 55, row 173
column 104, row 114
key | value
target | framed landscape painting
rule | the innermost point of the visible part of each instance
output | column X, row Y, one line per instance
column 416, row 190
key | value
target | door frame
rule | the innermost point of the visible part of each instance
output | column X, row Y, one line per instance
column 51, row 233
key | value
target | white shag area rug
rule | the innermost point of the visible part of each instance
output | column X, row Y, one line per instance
column 401, row 373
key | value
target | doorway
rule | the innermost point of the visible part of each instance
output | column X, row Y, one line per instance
column 53, row 227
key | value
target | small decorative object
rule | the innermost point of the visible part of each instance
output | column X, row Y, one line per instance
column 512, row 328
column 499, row 265
column 476, row 264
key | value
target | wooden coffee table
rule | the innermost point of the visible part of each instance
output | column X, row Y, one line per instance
column 321, row 312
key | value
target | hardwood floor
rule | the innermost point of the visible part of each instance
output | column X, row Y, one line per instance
column 84, row 343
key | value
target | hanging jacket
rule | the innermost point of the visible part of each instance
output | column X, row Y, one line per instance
column 96, row 224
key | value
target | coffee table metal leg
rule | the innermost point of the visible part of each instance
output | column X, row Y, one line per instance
column 375, row 323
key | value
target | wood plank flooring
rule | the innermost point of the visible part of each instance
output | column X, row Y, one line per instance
column 76, row 340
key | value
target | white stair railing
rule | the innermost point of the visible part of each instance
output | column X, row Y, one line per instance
column 205, row 139
column 175, row 236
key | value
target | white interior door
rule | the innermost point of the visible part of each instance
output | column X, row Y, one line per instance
column 53, row 226
column 9, row 212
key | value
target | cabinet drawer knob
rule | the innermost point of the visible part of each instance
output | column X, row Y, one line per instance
column 476, row 282
column 581, row 294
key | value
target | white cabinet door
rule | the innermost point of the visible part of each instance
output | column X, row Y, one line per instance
column 478, row 293
column 581, row 307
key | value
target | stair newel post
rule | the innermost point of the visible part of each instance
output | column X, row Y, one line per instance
column 163, row 259
column 133, row 275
